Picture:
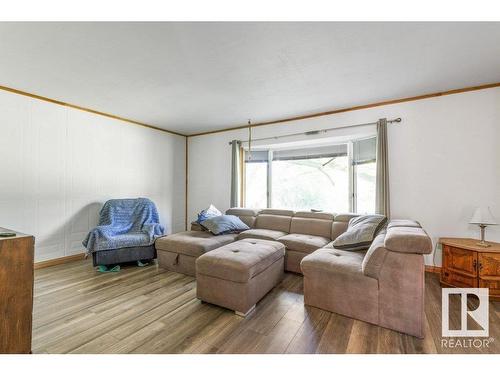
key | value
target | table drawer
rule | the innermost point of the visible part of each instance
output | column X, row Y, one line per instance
column 492, row 285
column 458, row 279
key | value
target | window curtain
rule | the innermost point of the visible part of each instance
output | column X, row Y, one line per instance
column 382, row 182
column 235, row 175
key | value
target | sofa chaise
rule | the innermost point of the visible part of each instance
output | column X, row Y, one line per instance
column 383, row 285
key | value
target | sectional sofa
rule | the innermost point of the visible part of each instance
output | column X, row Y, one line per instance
column 301, row 232
column 383, row 285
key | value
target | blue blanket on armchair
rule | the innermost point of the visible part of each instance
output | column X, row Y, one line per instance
column 125, row 223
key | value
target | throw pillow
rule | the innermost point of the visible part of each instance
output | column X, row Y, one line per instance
column 360, row 232
column 224, row 224
column 207, row 213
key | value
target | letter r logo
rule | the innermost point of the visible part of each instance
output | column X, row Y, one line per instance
column 480, row 315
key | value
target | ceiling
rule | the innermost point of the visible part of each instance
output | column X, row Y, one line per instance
column 196, row 77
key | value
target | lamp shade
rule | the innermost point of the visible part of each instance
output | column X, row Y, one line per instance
column 483, row 216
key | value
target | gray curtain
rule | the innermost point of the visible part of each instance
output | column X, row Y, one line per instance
column 382, row 200
column 235, row 173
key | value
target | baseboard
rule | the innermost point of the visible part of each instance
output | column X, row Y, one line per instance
column 433, row 269
column 55, row 262
column 75, row 257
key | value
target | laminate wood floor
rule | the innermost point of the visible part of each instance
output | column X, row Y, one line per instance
column 150, row 310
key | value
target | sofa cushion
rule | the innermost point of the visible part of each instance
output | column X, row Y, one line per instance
column 193, row 243
column 333, row 260
column 345, row 217
column 273, row 222
column 313, row 223
column 408, row 240
column 247, row 215
column 208, row 213
column 305, row 243
column 263, row 234
column 240, row 261
column 341, row 223
column 224, row 224
column 338, row 227
column 239, row 211
column 360, row 233
column 333, row 281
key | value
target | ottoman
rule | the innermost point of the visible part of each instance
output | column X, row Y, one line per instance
column 236, row 276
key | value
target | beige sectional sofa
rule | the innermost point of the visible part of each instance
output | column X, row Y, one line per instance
column 383, row 285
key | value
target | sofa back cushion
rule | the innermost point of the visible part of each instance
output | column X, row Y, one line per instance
column 274, row 220
column 312, row 223
column 340, row 224
column 247, row 215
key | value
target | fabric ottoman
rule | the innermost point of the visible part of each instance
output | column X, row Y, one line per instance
column 236, row 276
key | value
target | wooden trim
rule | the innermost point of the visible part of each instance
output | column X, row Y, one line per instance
column 55, row 262
column 186, row 188
column 64, row 104
column 433, row 269
column 356, row 108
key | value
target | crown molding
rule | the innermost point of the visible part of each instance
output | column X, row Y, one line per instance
column 84, row 109
column 355, row 108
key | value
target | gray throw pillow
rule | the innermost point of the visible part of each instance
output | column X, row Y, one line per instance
column 360, row 232
column 224, row 224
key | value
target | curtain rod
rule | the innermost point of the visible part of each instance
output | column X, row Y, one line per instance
column 314, row 132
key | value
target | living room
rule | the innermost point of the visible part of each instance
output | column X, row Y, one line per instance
column 298, row 187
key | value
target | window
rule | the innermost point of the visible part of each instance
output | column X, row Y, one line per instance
column 321, row 178
column 256, row 171
column 311, row 179
column 364, row 173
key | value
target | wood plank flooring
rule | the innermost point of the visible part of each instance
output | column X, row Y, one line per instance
column 150, row 310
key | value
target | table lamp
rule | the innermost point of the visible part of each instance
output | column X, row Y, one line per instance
column 483, row 218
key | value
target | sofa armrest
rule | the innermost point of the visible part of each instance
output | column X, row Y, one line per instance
column 408, row 240
column 401, row 293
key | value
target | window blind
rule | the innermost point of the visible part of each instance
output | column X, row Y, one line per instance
column 256, row 156
column 311, row 153
column 364, row 151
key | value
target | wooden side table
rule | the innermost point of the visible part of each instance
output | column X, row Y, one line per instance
column 16, row 292
column 468, row 265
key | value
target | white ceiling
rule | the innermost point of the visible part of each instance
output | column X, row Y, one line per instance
column 195, row 77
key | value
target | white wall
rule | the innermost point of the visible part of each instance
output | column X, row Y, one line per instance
column 444, row 160
column 60, row 164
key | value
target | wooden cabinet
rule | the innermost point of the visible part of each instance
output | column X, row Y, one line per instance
column 467, row 265
column 16, row 292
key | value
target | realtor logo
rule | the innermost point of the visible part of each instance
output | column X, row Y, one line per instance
column 479, row 315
